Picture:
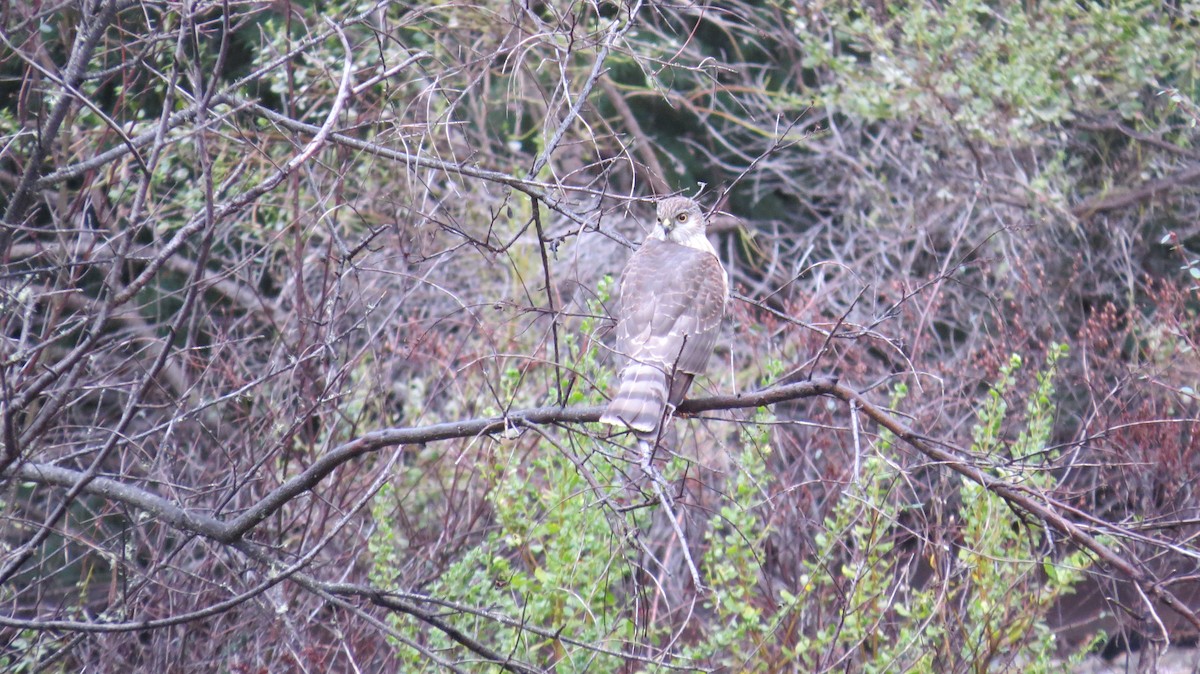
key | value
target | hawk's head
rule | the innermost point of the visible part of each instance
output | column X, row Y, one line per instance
column 681, row 221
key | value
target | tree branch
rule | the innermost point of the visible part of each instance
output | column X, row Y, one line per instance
column 81, row 54
column 1145, row 192
column 1036, row 504
column 231, row 532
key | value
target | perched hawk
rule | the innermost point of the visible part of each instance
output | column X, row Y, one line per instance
column 670, row 306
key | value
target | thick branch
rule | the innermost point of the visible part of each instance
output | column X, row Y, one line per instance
column 1145, row 192
column 81, row 55
column 1034, row 503
column 231, row 531
column 1040, row 506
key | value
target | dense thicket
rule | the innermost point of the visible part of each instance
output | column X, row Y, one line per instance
column 264, row 266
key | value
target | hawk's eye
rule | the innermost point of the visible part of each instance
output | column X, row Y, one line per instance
column 682, row 217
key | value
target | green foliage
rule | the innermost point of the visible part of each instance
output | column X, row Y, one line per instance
column 552, row 557
column 552, row 560
column 371, row 289
column 891, row 630
column 739, row 635
column 580, row 352
column 990, row 609
column 996, row 550
column 998, row 71
column 27, row 652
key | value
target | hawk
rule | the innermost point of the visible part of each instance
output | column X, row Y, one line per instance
column 669, row 308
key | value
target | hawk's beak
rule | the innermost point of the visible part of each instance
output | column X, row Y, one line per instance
column 666, row 225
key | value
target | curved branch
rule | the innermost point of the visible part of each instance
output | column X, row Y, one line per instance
column 1040, row 506
column 232, row 531
column 616, row 31
column 81, row 54
column 1136, row 195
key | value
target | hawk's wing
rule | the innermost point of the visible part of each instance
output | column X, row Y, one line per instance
column 670, row 306
column 671, row 303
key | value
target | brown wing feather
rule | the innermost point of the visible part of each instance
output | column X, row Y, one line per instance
column 701, row 319
column 670, row 306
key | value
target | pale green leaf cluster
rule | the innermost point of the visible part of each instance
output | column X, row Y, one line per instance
column 989, row 611
column 1001, row 72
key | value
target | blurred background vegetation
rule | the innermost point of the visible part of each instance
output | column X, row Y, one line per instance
column 240, row 235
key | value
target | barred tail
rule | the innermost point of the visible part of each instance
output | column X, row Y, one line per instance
column 640, row 400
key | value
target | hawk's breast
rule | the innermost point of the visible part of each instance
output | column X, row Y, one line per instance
column 672, row 300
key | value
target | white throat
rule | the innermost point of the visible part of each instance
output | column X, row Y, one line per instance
column 692, row 237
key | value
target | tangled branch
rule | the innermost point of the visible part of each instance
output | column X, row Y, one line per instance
column 233, row 532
